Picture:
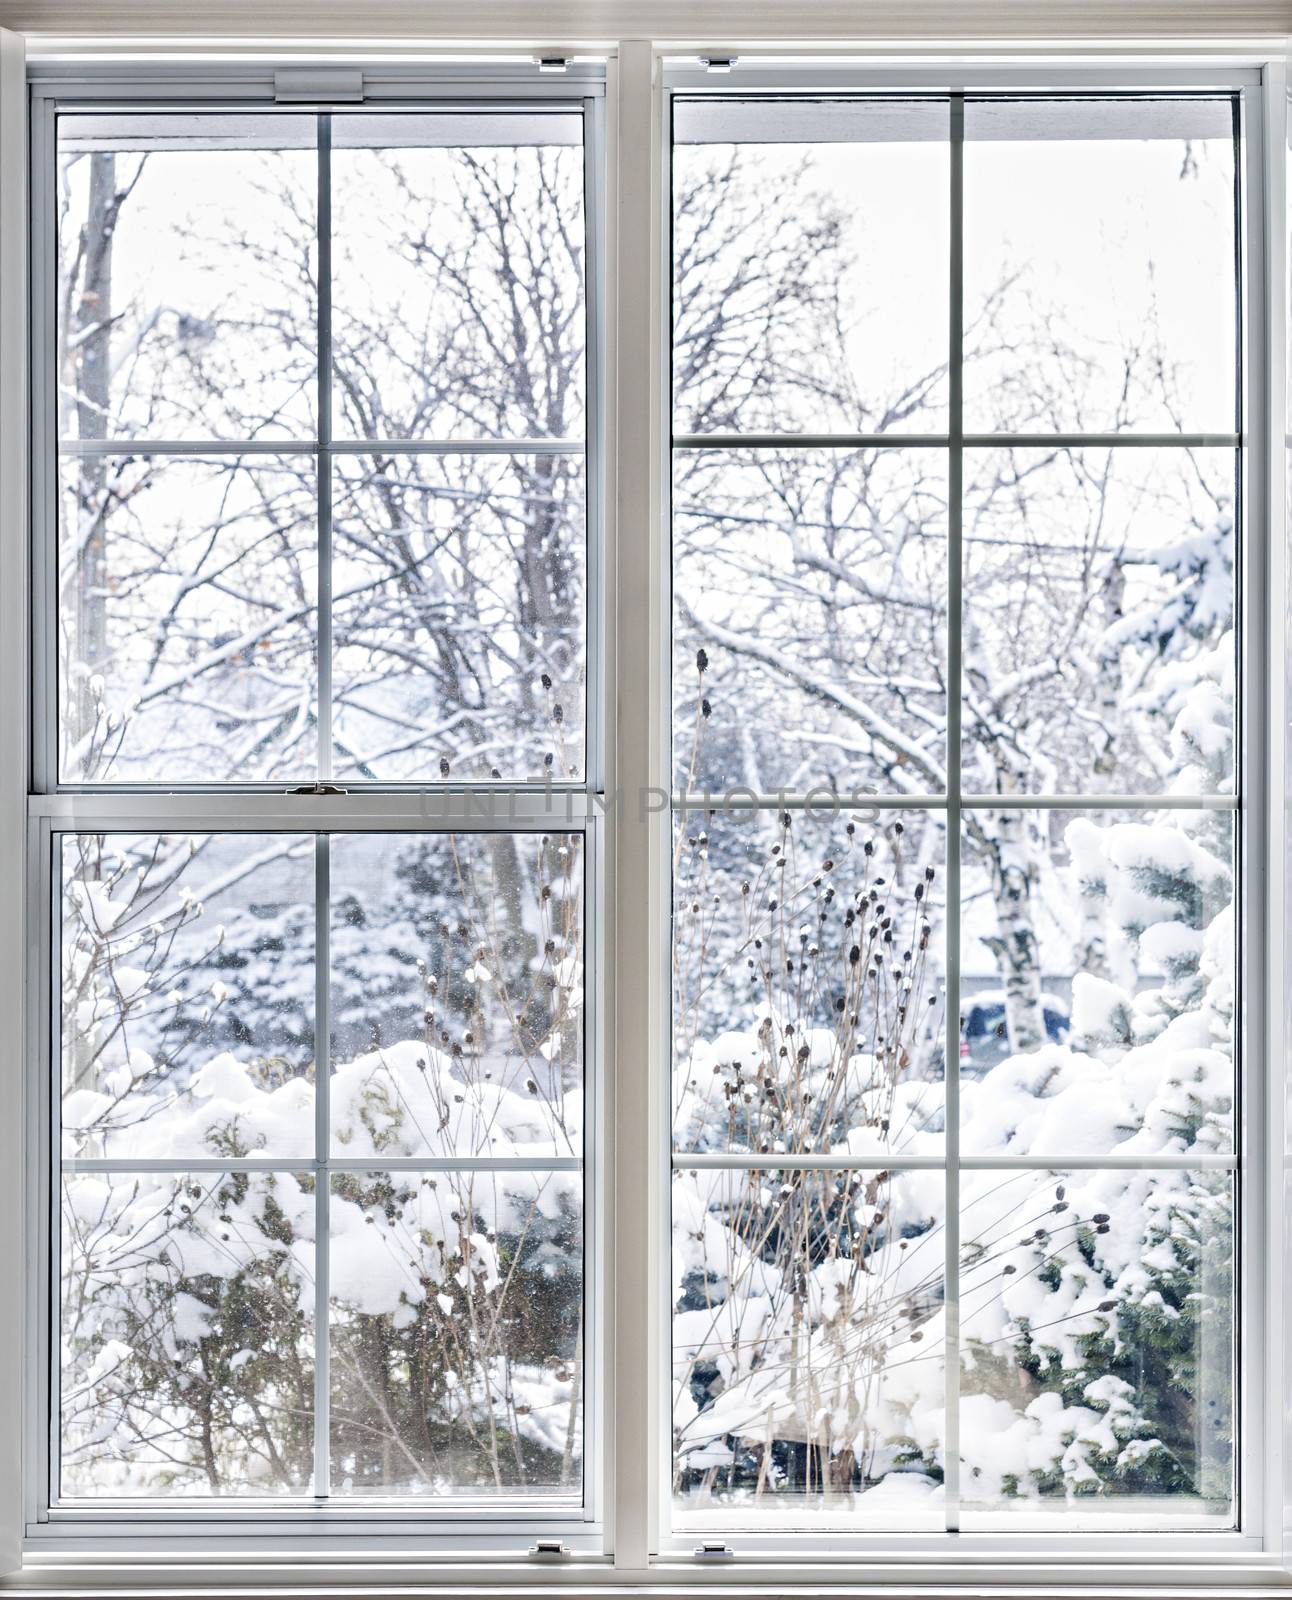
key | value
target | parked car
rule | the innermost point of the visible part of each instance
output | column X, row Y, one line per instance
column 984, row 1032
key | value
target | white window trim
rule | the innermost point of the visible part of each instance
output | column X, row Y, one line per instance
column 684, row 77
column 635, row 961
column 55, row 807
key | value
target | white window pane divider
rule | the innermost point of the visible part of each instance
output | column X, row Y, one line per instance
column 827, row 802
column 373, row 1163
column 333, row 447
column 970, row 441
column 322, row 465
column 322, row 1167
column 951, row 1049
column 1036, row 1161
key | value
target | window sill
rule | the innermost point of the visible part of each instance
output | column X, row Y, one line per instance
column 504, row 1576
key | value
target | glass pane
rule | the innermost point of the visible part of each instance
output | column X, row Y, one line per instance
column 810, row 265
column 187, row 272
column 1097, row 1355
column 459, row 617
column 1100, row 291
column 187, row 975
column 457, row 994
column 815, row 584
column 1099, row 645
column 1097, row 982
column 187, row 619
column 808, row 1348
column 808, row 983
column 457, row 1334
column 458, row 262
column 187, row 1334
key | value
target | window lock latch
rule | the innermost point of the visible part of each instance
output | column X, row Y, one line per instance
column 549, row 1549
column 318, row 788
column 315, row 85
column 714, row 1550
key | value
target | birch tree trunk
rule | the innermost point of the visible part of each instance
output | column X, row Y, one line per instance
column 1009, row 846
column 90, row 376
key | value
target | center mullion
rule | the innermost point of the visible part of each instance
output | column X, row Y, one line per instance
column 951, row 1069
column 322, row 1148
column 323, row 470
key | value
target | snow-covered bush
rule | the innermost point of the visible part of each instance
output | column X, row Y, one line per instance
column 1095, row 1307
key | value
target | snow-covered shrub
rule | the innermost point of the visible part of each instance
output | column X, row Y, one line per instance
column 1095, row 1307
column 807, row 1302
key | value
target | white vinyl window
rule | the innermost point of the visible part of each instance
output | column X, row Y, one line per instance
column 648, row 913
column 318, row 682
column 957, row 511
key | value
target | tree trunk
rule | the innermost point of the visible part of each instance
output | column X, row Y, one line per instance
column 91, row 378
column 1008, row 841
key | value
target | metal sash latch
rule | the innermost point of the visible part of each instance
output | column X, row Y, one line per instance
column 318, row 788
column 317, row 85
column 551, row 1549
column 714, row 1551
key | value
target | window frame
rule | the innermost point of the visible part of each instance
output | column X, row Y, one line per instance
column 146, row 87
column 631, row 498
column 1254, row 1456
column 57, row 808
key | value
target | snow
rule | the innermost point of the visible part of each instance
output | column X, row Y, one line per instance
column 1100, row 1011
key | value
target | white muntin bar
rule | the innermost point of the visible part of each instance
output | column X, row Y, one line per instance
column 1099, row 802
column 196, row 448
column 809, row 441
column 951, row 924
column 821, row 802
column 335, row 447
column 304, row 1163
column 322, row 1150
column 459, row 447
column 323, row 464
column 1040, row 1161
column 971, row 441
column 827, row 802
column 1103, row 441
